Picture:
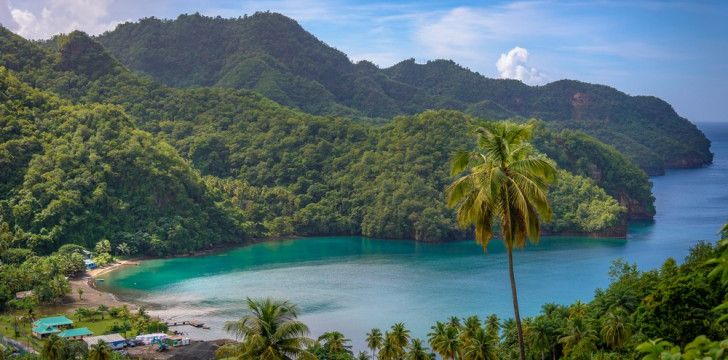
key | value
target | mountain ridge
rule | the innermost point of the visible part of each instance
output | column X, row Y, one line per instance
column 272, row 54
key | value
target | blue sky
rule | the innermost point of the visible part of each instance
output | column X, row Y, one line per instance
column 675, row 50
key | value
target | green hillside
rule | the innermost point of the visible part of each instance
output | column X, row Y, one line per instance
column 273, row 55
column 81, row 173
column 239, row 165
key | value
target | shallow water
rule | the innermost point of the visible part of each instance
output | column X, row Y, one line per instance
column 353, row 284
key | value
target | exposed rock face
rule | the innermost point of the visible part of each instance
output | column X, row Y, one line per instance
column 579, row 101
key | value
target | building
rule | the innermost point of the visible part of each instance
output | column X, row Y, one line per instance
column 76, row 334
column 114, row 341
column 50, row 325
column 147, row 339
column 90, row 264
column 23, row 294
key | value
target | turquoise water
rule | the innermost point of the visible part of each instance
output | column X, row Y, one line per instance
column 353, row 284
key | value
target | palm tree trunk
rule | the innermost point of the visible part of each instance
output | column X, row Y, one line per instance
column 521, row 347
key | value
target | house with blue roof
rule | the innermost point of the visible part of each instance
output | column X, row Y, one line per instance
column 51, row 325
column 76, row 333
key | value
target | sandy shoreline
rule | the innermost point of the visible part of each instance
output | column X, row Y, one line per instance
column 93, row 297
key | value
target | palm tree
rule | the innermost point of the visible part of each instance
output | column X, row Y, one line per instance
column 454, row 321
column 335, row 342
column 492, row 327
column 374, row 340
column 102, row 309
column 400, row 336
column 444, row 339
column 579, row 339
column 616, row 328
column 537, row 335
column 389, row 351
column 363, row 356
column 506, row 185
column 53, row 348
column 100, row 351
column 269, row 331
column 479, row 347
column 470, row 326
column 416, row 351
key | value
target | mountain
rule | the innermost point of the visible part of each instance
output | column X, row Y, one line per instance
column 273, row 55
column 229, row 164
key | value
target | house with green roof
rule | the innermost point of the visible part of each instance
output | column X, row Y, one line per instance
column 76, row 334
column 50, row 325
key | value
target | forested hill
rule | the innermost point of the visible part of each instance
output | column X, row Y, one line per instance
column 273, row 55
column 243, row 166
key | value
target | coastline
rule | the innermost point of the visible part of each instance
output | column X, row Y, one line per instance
column 93, row 297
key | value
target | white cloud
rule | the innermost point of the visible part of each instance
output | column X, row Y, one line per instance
column 514, row 65
column 61, row 16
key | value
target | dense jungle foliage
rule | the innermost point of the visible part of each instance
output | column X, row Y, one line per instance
column 275, row 56
column 244, row 166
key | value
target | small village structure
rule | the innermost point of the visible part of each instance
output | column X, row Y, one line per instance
column 51, row 325
column 147, row 339
column 76, row 334
column 114, row 341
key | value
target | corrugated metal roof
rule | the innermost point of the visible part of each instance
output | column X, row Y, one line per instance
column 76, row 332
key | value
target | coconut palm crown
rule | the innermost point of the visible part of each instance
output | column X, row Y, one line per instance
column 504, row 183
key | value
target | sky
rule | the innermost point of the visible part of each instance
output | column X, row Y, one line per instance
column 677, row 50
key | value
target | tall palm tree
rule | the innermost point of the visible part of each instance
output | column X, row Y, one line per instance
column 444, row 339
column 374, row 340
column 53, row 348
column 269, row 331
column 100, row 351
column 505, row 184
column 416, row 351
column 480, row 346
column 616, row 328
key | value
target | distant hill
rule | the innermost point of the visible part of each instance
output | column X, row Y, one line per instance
column 255, row 168
column 275, row 56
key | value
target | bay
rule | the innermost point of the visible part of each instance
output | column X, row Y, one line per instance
column 353, row 284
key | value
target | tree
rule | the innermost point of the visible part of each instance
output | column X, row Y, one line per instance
column 616, row 328
column 336, row 343
column 269, row 331
column 416, row 351
column 399, row 336
column 444, row 339
column 103, row 247
column 374, row 340
column 53, row 348
column 480, row 346
column 100, row 351
column 102, row 310
column 389, row 350
column 505, row 185
column 124, row 249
